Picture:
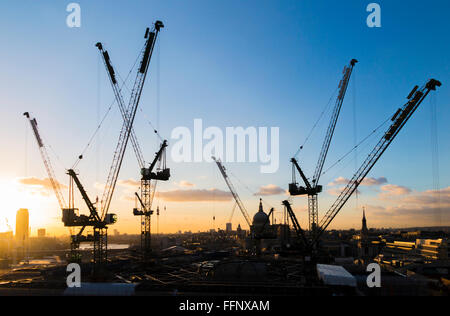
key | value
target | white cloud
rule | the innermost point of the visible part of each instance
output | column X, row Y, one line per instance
column 270, row 189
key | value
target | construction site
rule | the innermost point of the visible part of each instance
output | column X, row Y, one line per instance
column 260, row 257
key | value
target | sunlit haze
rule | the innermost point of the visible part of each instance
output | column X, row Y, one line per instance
column 280, row 71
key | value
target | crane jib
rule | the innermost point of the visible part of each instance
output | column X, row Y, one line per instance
column 415, row 99
column 148, row 49
column 127, row 127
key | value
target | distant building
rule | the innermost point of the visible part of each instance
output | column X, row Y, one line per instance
column 240, row 232
column 41, row 232
column 364, row 230
column 436, row 249
column 116, row 232
column 229, row 228
column 368, row 248
column 260, row 221
column 22, row 227
column 6, row 244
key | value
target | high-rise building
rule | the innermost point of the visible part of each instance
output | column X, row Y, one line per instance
column 229, row 228
column 22, row 227
column 41, row 232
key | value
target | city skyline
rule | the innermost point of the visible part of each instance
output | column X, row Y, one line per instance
column 279, row 70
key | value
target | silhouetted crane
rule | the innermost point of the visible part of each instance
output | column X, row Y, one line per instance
column 147, row 189
column 312, row 190
column 399, row 119
column 233, row 191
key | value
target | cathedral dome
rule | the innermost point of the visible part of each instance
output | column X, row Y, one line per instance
column 260, row 218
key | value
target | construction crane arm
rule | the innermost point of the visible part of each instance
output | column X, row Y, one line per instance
column 233, row 191
column 48, row 166
column 232, row 213
column 300, row 171
column 90, row 205
column 330, row 131
column 140, row 202
column 261, row 231
column 119, row 99
column 399, row 120
column 298, row 230
column 131, row 114
column 158, row 155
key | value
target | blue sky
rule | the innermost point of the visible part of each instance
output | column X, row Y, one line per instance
column 230, row 63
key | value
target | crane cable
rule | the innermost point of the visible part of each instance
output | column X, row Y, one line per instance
column 80, row 157
column 316, row 123
column 435, row 158
column 357, row 145
column 250, row 190
column 355, row 134
column 155, row 130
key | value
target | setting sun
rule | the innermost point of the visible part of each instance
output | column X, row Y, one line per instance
column 43, row 210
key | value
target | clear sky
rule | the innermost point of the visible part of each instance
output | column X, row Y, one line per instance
column 230, row 63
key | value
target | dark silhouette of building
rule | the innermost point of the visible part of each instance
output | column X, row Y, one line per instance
column 368, row 248
column 364, row 230
column 41, row 232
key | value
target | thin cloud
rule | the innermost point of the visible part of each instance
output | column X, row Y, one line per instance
column 99, row 186
column 431, row 207
column 36, row 182
column 337, row 191
column 338, row 181
column 205, row 195
column 270, row 189
column 374, row 181
column 129, row 183
column 366, row 182
column 185, row 184
column 390, row 190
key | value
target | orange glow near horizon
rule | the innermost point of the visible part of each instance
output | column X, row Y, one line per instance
column 15, row 197
column 180, row 215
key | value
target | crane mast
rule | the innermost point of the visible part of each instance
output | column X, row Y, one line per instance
column 313, row 190
column 399, row 119
column 130, row 114
column 148, row 186
column 47, row 163
column 233, row 191
column 147, row 194
column 69, row 216
column 99, row 223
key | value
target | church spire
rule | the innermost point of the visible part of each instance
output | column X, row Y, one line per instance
column 260, row 206
column 364, row 230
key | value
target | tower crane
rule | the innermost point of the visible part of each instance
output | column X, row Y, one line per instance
column 313, row 189
column 399, row 119
column 146, row 197
column 147, row 193
column 130, row 115
column 70, row 215
column 47, row 163
column 97, row 221
column 233, row 191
